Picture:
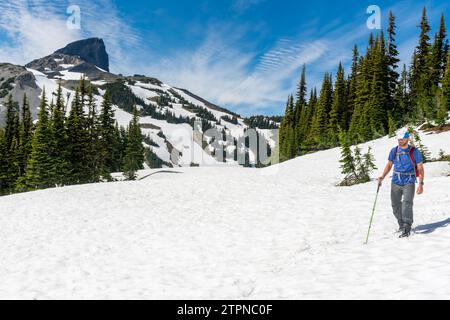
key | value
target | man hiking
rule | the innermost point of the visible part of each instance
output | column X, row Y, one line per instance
column 408, row 166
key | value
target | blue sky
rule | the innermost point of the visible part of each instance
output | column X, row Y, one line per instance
column 245, row 55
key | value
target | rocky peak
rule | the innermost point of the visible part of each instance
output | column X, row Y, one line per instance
column 90, row 50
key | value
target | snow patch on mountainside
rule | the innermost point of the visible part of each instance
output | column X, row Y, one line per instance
column 179, row 136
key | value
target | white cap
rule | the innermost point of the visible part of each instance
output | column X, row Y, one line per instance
column 403, row 134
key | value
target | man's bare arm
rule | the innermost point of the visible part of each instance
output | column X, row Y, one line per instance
column 386, row 171
column 421, row 172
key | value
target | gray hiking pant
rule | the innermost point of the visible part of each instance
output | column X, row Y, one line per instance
column 403, row 210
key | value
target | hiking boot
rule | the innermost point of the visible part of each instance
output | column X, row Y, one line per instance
column 406, row 233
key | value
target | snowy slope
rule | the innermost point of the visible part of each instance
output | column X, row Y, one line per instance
column 228, row 232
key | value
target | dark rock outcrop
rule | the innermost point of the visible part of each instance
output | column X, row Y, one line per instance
column 90, row 50
column 17, row 81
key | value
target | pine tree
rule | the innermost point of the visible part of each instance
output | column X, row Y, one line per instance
column 446, row 85
column 359, row 165
column 379, row 95
column 347, row 160
column 338, row 111
column 320, row 121
column 3, row 164
column 78, row 142
column 60, row 140
column 10, row 164
column 392, row 126
column 299, row 111
column 40, row 163
column 438, row 55
column 311, row 107
column 26, row 131
column 108, row 138
column 134, row 157
column 369, row 164
column 351, row 89
column 288, row 143
column 420, row 75
column 95, row 152
column 392, row 63
column 404, row 110
column 11, row 128
column 419, row 145
column 121, row 136
column 442, row 113
column 359, row 129
column 301, row 93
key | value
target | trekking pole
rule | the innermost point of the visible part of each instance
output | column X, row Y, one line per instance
column 373, row 212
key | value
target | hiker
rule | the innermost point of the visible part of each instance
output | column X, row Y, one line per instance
column 408, row 166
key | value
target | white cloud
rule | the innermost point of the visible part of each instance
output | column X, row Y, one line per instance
column 36, row 28
column 221, row 70
column 33, row 31
column 240, row 6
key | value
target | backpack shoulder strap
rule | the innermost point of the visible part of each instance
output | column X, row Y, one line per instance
column 395, row 152
column 411, row 155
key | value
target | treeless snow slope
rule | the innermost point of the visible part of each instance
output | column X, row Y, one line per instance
column 233, row 233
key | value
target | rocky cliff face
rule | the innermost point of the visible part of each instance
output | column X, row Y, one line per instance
column 90, row 50
column 17, row 81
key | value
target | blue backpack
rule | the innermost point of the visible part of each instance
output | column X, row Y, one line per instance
column 411, row 157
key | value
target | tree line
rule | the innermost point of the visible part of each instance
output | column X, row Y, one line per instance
column 376, row 97
column 84, row 146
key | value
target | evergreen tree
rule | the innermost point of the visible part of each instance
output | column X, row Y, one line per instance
column 347, row 160
column 359, row 165
column 300, row 107
column 134, row 156
column 26, row 131
column 392, row 63
column 359, row 129
column 94, row 152
column 12, row 119
column 121, row 136
column 3, row 164
column 59, row 152
column 446, row 85
column 338, row 111
column 301, row 94
column 404, row 110
column 78, row 142
column 392, row 126
column 310, row 111
column 368, row 164
column 40, row 163
column 10, row 164
column 417, row 142
column 320, row 121
column 108, row 138
column 287, row 134
column 379, row 95
column 420, row 75
column 438, row 55
column 442, row 112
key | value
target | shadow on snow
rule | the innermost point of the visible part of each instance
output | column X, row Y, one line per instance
column 431, row 227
